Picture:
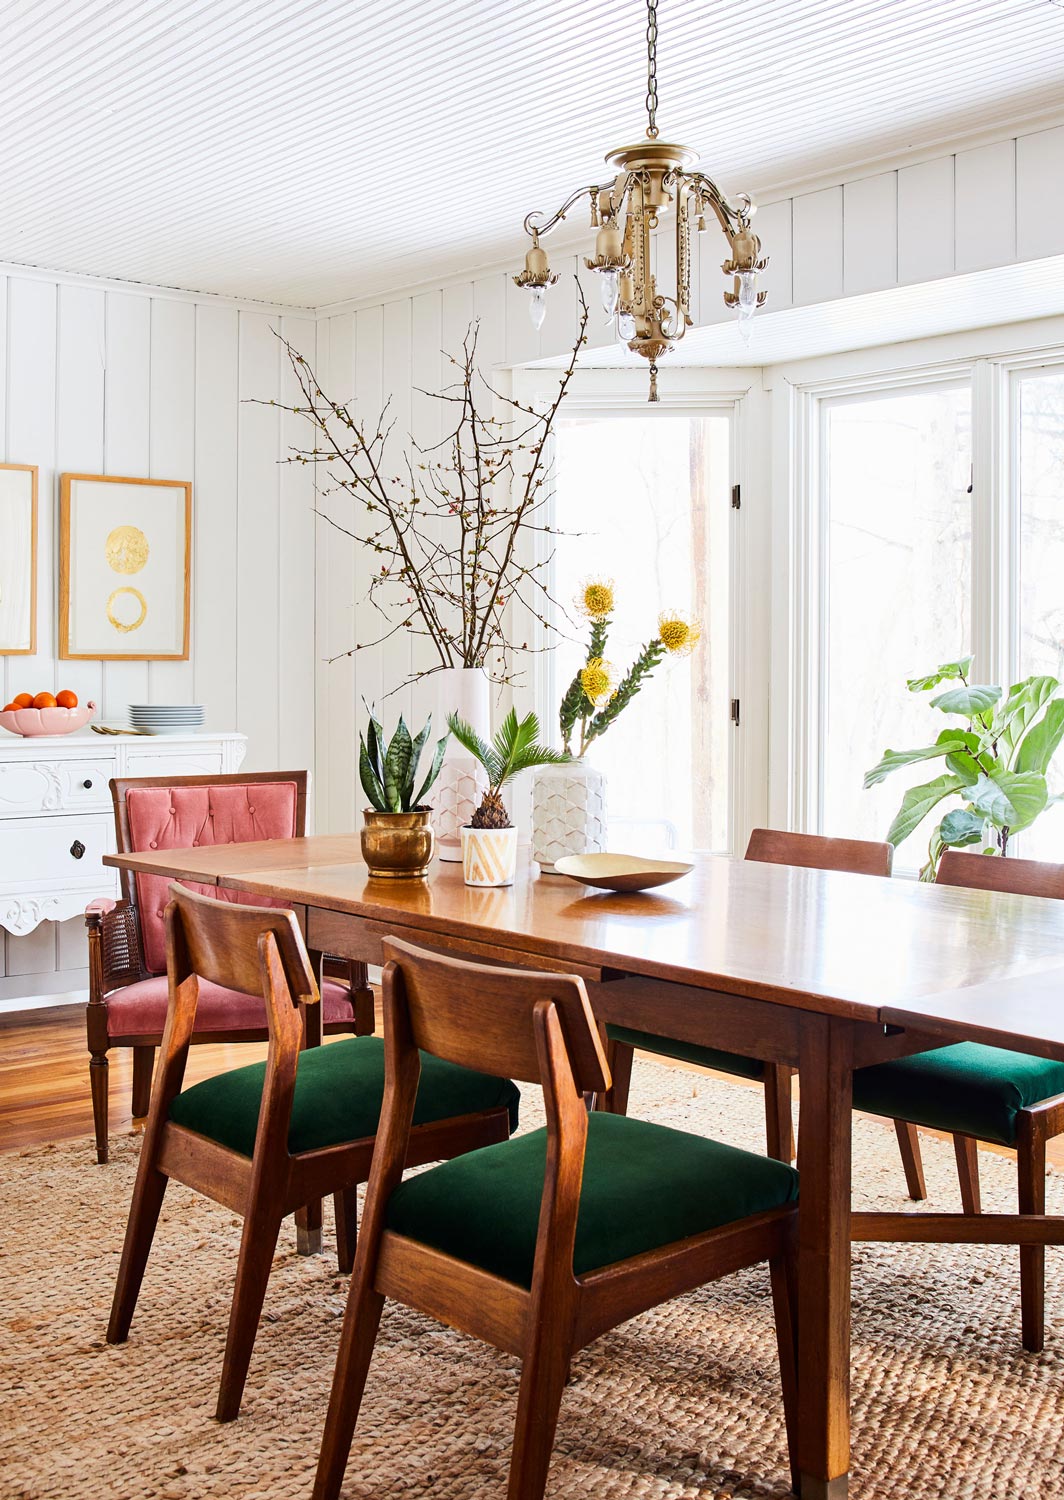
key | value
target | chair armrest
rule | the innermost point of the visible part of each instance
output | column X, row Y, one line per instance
column 114, row 947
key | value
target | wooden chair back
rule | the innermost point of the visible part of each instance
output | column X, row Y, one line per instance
column 983, row 872
column 813, row 851
column 223, row 942
column 481, row 1017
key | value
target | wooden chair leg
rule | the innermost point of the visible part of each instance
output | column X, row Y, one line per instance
column 619, row 1057
column 1031, row 1169
column 257, row 1245
column 966, row 1149
column 783, row 1272
column 911, row 1160
column 362, row 999
column 98, row 1087
column 148, row 1194
column 543, row 1375
column 143, row 1064
column 779, row 1120
column 361, row 1321
column 308, row 1228
column 345, row 1207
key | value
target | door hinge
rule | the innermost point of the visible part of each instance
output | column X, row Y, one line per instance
column 735, row 711
column 736, row 496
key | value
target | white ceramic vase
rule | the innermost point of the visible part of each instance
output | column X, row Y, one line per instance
column 462, row 781
column 489, row 855
column 568, row 812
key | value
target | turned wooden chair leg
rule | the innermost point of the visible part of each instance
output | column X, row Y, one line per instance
column 148, row 1195
column 98, row 1088
column 1031, row 1169
column 544, row 1371
column 779, row 1120
column 614, row 1101
column 345, row 1207
column 357, row 1340
column 966, row 1149
column 257, row 1246
column 911, row 1160
column 143, row 1064
column 783, row 1272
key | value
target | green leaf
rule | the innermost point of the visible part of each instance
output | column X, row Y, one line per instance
column 1019, row 708
column 370, row 783
column 375, row 746
column 1040, row 743
column 969, row 701
column 960, row 827
column 950, row 671
column 467, row 736
column 434, row 771
column 397, row 765
column 1010, row 799
column 949, row 741
column 963, row 763
column 415, row 757
column 917, row 803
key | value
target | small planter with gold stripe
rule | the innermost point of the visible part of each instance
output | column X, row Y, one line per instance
column 489, row 855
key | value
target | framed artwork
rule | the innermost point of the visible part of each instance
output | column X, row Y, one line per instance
column 18, row 559
column 124, row 568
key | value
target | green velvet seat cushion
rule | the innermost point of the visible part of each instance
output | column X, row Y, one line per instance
column 644, row 1186
column 338, row 1096
column 704, row 1057
column 968, row 1088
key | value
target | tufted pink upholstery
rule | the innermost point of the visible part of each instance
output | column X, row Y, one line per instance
column 183, row 817
column 140, row 1009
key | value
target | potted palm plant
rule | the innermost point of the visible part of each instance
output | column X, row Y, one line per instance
column 397, row 839
column 489, row 842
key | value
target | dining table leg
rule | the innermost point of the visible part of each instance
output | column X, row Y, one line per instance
column 825, row 1084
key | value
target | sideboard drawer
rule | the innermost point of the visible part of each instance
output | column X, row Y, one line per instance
column 43, row 853
column 177, row 763
column 28, row 787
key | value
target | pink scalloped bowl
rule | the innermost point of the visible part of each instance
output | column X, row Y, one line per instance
column 30, row 722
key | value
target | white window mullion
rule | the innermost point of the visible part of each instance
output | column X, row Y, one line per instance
column 993, row 637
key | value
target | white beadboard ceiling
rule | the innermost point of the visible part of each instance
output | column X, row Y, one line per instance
column 310, row 151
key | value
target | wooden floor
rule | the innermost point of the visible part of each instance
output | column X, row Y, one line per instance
column 44, row 1079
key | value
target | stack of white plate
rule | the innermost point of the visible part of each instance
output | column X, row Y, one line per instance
column 166, row 718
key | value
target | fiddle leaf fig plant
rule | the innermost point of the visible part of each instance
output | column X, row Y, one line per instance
column 389, row 774
column 997, row 759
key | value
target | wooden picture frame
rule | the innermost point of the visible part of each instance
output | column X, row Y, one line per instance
column 18, row 499
column 111, row 526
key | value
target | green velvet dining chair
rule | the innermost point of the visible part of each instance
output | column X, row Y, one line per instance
column 266, row 1139
column 541, row 1244
column 766, row 846
column 979, row 1093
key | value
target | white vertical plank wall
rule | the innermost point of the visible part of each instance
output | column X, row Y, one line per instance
column 98, row 378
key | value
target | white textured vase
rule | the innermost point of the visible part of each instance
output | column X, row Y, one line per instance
column 464, row 691
column 568, row 812
column 489, row 855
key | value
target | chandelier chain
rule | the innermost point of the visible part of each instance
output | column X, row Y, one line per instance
column 652, row 68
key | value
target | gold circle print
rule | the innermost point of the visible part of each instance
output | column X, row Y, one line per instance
column 127, row 549
column 122, row 609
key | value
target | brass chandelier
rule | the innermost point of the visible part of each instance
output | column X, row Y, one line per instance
column 653, row 178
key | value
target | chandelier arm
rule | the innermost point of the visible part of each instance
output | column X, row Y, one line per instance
column 533, row 227
column 734, row 217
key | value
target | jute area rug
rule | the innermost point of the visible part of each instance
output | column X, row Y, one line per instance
column 680, row 1402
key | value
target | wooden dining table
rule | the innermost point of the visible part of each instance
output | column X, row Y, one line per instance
column 822, row 971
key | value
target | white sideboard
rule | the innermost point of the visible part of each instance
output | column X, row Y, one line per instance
column 56, row 820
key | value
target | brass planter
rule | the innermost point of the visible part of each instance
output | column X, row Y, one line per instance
column 398, row 846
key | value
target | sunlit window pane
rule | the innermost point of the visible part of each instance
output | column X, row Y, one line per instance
column 896, row 470
column 1041, row 603
column 645, row 500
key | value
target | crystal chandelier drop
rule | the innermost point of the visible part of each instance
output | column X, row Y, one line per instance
column 653, row 179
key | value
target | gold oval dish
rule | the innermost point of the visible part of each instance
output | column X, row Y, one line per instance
column 621, row 872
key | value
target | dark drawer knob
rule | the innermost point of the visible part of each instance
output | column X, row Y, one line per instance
column 77, row 848
column 87, row 783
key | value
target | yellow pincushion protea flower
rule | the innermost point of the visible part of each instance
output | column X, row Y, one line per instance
column 594, row 599
column 597, row 680
column 678, row 633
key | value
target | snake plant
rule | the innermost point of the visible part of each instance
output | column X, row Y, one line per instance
column 388, row 775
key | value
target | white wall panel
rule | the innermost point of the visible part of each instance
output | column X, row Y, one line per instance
column 214, row 519
column 295, row 609
column 1040, row 194
column 172, row 444
column 773, row 225
column 870, row 234
column 926, row 219
column 986, row 206
column 817, row 230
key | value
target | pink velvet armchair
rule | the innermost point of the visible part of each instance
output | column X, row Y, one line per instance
column 127, row 946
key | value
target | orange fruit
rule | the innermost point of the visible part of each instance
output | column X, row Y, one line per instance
column 23, row 700
column 8, row 707
column 66, row 699
column 44, row 700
